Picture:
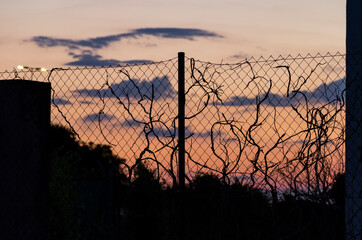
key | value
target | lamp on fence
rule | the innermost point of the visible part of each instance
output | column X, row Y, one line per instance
column 32, row 69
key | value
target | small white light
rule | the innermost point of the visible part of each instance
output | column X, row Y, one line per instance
column 43, row 69
column 20, row 67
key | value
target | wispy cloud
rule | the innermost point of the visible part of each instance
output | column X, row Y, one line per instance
column 94, row 117
column 323, row 94
column 130, row 123
column 60, row 101
column 134, row 89
column 86, row 48
column 239, row 56
column 168, row 133
column 186, row 33
column 331, row 91
column 272, row 100
column 86, row 102
column 105, row 41
column 87, row 58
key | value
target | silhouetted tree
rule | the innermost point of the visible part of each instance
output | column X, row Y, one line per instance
column 63, row 149
column 79, row 175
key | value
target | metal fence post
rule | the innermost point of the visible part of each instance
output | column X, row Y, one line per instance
column 181, row 120
column 181, row 142
column 353, row 207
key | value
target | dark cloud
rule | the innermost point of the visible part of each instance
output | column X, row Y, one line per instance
column 60, row 101
column 130, row 123
column 86, row 102
column 162, row 132
column 87, row 58
column 329, row 92
column 272, row 99
column 101, row 42
column 162, row 88
column 238, row 101
column 207, row 134
column 85, row 46
column 186, row 33
column 323, row 94
column 167, row 133
column 94, row 117
column 93, row 43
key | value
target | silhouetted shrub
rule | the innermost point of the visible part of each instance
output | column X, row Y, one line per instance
column 220, row 211
column 338, row 190
column 299, row 218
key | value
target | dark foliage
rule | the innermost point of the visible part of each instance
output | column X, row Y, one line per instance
column 91, row 198
column 145, row 206
column 304, row 219
column 338, row 190
column 219, row 211
column 79, row 173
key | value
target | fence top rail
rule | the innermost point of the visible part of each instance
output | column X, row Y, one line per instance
column 72, row 68
column 252, row 60
column 271, row 58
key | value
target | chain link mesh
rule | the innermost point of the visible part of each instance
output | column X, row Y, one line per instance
column 274, row 123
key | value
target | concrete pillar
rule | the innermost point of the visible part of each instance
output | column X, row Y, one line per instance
column 353, row 208
column 24, row 184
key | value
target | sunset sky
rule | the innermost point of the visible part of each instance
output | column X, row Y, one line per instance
column 71, row 33
column 54, row 33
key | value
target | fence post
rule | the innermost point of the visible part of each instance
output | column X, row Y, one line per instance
column 181, row 120
column 181, row 141
column 353, row 207
column 24, row 184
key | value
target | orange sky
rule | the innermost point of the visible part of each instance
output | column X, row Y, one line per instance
column 81, row 103
column 72, row 33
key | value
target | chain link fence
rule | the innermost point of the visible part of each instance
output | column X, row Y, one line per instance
column 276, row 124
column 273, row 122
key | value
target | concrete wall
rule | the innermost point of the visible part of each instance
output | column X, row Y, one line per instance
column 24, row 185
column 353, row 207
